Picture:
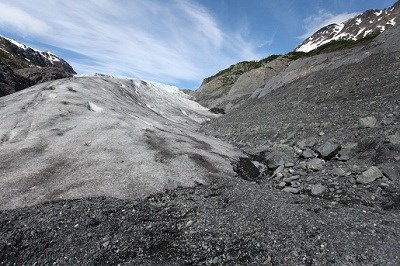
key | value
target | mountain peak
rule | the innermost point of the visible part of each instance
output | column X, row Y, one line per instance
column 370, row 22
column 22, row 66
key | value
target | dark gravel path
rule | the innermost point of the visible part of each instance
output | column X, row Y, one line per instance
column 233, row 222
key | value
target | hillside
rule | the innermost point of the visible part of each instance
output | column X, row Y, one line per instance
column 231, row 87
column 22, row 66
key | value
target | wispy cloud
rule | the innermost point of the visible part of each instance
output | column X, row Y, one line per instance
column 172, row 41
column 322, row 19
column 21, row 20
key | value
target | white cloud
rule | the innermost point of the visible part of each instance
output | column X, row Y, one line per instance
column 165, row 41
column 321, row 19
column 11, row 16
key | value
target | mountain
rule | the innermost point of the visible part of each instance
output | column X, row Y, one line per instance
column 22, row 66
column 302, row 169
column 230, row 88
column 371, row 22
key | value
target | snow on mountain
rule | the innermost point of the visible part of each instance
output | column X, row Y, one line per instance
column 95, row 136
column 52, row 58
column 370, row 22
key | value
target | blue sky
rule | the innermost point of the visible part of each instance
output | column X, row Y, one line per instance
column 177, row 42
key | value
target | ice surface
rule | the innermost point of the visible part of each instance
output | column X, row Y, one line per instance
column 94, row 136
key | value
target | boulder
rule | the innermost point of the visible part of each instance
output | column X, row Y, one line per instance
column 369, row 175
column 328, row 149
column 391, row 170
column 315, row 164
column 276, row 158
column 246, row 169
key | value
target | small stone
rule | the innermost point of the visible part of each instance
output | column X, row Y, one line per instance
column 308, row 142
column 189, row 223
column 309, row 178
column 368, row 122
column 352, row 180
column 292, row 178
column 349, row 145
column 328, row 149
column 315, row 164
column 291, row 190
column 295, row 184
column 105, row 244
column 321, row 133
column 317, row 189
column 94, row 108
column 369, row 175
column 279, row 169
column 308, row 153
column 391, row 170
column 289, row 164
column 302, row 165
column 338, row 171
column 393, row 139
column 344, row 155
column 282, row 184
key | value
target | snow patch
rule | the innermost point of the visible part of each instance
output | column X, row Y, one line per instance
column 4, row 50
column 381, row 28
column 20, row 45
column 358, row 21
column 378, row 13
column 392, row 22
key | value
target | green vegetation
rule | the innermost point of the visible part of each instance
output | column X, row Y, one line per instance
column 229, row 75
column 4, row 55
column 295, row 55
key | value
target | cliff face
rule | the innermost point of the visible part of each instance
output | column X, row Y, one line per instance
column 22, row 66
column 228, row 88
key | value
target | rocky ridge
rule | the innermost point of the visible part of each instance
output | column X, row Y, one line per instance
column 22, row 66
column 368, row 23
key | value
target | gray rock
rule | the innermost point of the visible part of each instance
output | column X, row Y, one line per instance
column 338, row 171
column 292, row 178
column 344, row 155
column 328, row 149
column 295, row 184
column 368, row 122
column 393, row 139
column 308, row 153
column 391, row 170
column 291, row 190
column 317, row 189
column 369, row 175
column 282, row 184
column 315, row 164
column 308, row 142
column 277, row 158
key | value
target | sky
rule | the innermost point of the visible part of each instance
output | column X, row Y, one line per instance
column 177, row 42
